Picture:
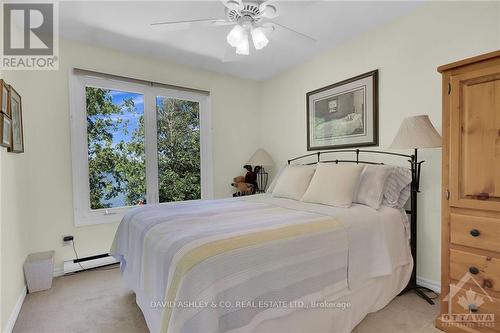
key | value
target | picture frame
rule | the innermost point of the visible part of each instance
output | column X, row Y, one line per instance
column 4, row 98
column 15, row 105
column 343, row 114
column 5, row 131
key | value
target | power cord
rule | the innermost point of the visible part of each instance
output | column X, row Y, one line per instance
column 76, row 254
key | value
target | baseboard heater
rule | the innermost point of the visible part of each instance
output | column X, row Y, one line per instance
column 100, row 260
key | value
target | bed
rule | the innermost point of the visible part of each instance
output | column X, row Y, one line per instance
column 262, row 264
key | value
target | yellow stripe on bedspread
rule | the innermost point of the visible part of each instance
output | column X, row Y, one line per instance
column 205, row 251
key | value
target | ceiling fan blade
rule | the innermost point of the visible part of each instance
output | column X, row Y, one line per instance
column 185, row 21
column 222, row 23
column 268, row 10
column 290, row 30
column 233, row 4
column 187, row 24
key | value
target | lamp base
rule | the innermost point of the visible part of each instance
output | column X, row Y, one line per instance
column 262, row 177
column 419, row 290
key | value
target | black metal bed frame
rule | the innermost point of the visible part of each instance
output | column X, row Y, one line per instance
column 415, row 166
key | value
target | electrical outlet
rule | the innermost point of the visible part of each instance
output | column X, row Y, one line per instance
column 67, row 240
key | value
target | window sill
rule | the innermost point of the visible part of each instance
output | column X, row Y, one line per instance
column 96, row 218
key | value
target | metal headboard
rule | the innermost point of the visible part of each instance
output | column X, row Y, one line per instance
column 415, row 172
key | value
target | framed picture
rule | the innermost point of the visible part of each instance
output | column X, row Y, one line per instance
column 5, row 131
column 17, row 121
column 344, row 114
column 4, row 98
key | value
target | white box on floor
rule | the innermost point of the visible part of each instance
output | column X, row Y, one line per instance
column 38, row 270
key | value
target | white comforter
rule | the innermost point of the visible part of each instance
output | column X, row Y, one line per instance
column 155, row 245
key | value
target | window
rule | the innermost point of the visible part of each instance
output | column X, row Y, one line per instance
column 135, row 143
column 115, row 148
column 178, row 142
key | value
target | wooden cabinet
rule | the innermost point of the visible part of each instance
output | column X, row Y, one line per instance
column 475, row 138
column 470, row 257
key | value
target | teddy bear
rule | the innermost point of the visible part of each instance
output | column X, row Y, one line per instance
column 243, row 187
column 247, row 184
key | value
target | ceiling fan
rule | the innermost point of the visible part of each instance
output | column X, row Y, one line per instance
column 250, row 18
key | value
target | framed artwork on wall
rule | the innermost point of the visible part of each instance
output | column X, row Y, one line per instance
column 4, row 97
column 5, row 131
column 344, row 114
column 17, row 121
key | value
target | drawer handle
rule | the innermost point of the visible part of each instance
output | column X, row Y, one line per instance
column 482, row 196
column 473, row 270
column 475, row 233
column 473, row 308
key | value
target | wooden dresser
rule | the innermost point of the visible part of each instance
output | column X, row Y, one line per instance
column 470, row 259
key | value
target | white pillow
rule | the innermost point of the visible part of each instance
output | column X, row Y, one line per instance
column 333, row 184
column 404, row 196
column 371, row 187
column 293, row 181
column 397, row 189
column 271, row 187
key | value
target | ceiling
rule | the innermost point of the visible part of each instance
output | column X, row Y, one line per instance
column 125, row 25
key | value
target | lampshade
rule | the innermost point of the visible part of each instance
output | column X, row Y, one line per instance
column 259, row 38
column 261, row 158
column 236, row 36
column 243, row 48
column 416, row 132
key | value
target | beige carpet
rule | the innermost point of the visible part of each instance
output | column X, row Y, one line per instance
column 97, row 301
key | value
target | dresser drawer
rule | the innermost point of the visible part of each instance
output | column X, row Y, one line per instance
column 484, row 269
column 481, row 310
column 474, row 231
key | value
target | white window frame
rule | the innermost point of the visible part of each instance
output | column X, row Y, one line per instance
column 78, row 81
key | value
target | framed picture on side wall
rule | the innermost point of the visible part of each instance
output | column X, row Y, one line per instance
column 17, row 121
column 4, row 97
column 344, row 114
column 5, row 131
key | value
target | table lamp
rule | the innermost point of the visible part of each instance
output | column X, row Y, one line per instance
column 260, row 159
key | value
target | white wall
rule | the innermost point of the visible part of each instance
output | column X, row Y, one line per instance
column 406, row 52
column 14, row 230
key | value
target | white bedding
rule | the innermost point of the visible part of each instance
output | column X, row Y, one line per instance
column 378, row 240
column 369, row 243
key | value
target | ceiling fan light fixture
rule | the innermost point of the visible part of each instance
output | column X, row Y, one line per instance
column 236, row 36
column 259, row 38
column 243, row 48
